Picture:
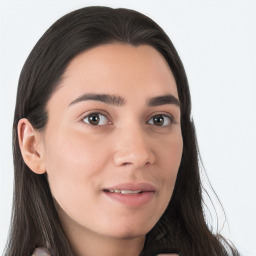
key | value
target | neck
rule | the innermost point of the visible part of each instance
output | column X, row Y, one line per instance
column 93, row 245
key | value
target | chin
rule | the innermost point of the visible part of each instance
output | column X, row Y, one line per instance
column 129, row 235
column 130, row 232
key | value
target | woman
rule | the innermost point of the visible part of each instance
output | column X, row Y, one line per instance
column 105, row 152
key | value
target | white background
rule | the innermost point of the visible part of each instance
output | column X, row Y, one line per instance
column 216, row 41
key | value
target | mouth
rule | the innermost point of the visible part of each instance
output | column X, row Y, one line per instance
column 131, row 188
column 131, row 194
column 123, row 191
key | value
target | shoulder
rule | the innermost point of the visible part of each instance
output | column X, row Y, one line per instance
column 40, row 251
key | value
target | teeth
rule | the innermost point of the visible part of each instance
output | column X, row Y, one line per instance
column 125, row 191
column 130, row 191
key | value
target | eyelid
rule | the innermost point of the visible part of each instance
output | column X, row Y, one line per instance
column 168, row 115
column 95, row 111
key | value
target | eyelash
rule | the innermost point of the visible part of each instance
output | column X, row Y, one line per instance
column 169, row 117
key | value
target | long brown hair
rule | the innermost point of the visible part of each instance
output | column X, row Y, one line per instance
column 35, row 221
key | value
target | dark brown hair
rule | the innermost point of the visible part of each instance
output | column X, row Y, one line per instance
column 35, row 221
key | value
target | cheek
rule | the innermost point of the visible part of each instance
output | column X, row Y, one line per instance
column 73, row 164
column 171, row 153
column 170, row 157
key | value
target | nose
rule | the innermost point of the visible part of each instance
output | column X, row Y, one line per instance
column 132, row 148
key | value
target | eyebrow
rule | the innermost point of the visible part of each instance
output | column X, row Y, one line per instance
column 163, row 100
column 105, row 98
column 119, row 101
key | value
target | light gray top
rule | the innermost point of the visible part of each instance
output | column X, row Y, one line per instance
column 40, row 251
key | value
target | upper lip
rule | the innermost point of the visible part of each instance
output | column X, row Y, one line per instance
column 143, row 186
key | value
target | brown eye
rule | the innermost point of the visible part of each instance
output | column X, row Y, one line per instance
column 158, row 120
column 161, row 120
column 96, row 119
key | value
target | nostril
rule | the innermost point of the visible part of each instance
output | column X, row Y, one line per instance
column 126, row 164
column 138, row 158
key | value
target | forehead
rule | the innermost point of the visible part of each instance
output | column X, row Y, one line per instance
column 125, row 70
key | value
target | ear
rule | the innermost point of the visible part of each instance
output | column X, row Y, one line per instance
column 31, row 146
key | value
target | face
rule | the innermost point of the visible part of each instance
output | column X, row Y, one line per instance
column 112, row 145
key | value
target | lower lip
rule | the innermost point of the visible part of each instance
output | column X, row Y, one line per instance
column 131, row 199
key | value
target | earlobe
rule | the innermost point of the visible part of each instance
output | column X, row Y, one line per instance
column 30, row 146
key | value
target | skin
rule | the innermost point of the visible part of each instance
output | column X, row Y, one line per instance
column 82, row 159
